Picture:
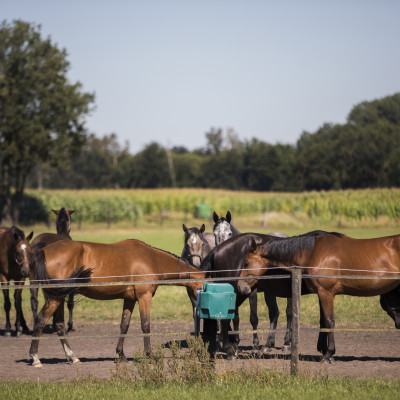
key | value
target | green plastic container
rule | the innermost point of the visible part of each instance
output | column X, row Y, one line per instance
column 202, row 211
column 217, row 301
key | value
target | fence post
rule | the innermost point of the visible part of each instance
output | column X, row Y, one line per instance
column 296, row 294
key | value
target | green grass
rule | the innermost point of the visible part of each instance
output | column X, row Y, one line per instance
column 267, row 384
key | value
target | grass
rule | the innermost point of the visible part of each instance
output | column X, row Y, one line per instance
column 267, row 384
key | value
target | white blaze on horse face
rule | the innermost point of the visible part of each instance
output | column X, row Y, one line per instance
column 23, row 246
column 222, row 232
column 195, row 246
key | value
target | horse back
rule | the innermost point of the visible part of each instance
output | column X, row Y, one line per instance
column 367, row 254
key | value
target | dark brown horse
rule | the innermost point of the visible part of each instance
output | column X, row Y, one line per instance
column 15, row 258
column 63, row 228
column 338, row 257
column 125, row 261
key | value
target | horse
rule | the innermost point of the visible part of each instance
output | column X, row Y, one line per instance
column 197, row 244
column 15, row 258
column 63, row 228
column 105, row 264
column 226, row 261
column 340, row 258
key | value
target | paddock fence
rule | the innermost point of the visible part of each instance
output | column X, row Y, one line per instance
column 295, row 275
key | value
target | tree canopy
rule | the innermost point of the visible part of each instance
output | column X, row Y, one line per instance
column 42, row 114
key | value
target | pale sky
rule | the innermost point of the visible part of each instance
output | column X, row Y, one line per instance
column 169, row 71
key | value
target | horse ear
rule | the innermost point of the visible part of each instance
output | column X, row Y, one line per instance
column 253, row 246
column 203, row 228
column 215, row 217
column 56, row 212
column 29, row 237
column 71, row 211
column 228, row 217
column 184, row 228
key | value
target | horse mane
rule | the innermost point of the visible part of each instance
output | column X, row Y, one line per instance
column 284, row 250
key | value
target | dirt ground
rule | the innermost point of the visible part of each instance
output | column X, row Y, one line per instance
column 358, row 354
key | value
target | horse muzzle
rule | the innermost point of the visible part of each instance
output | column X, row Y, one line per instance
column 244, row 288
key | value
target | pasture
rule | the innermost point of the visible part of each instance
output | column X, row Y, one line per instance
column 171, row 312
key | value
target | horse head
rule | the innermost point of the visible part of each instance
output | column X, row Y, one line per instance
column 22, row 250
column 195, row 244
column 63, row 221
column 253, row 267
column 222, row 227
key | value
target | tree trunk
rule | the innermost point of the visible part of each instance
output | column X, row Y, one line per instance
column 5, row 200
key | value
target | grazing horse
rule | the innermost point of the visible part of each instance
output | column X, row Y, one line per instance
column 63, row 228
column 105, row 264
column 15, row 257
column 197, row 244
column 226, row 260
column 340, row 258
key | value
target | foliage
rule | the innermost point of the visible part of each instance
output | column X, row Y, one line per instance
column 41, row 113
column 362, row 153
column 108, row 206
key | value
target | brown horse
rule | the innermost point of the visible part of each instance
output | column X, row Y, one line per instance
column 340, row 258
column 63, row 228
column 125, row 261
column 15, row 257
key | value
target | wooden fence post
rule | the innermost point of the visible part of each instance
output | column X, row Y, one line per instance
column 296, row 294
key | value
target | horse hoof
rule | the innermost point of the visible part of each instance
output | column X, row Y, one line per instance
column 18, row 333
column 7, row 333
column 285, row 348
column 326, row 360
column 265, row 350
column 37, row 365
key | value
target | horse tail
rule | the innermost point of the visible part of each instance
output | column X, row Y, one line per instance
column 80, row 275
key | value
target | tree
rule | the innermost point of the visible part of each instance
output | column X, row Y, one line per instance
column 42, row 115
column 149, row 168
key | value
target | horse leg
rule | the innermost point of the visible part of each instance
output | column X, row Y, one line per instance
column 288, row 335
column 125, row 320
column 58, row 320
column 7, row 308
column 70, row 310
column 273, row 312
column 34, row 301
column 19, row 320
column 49, row 308
column 254, row 318
column 326, row 340
column 144, row 308
column 227, row 347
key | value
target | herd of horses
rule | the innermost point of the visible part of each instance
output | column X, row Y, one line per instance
column 329, row 261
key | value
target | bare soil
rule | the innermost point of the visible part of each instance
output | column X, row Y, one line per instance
column 358, row 354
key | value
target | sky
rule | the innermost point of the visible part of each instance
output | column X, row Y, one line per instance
column 169, row 71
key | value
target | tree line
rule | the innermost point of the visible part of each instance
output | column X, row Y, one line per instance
column 44, row 141
column 362, row 153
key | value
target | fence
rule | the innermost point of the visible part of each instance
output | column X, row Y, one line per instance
column 296, row 278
